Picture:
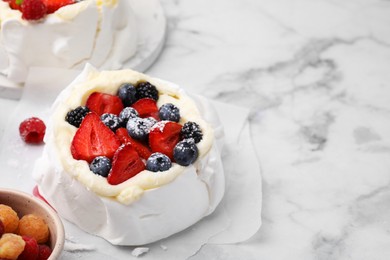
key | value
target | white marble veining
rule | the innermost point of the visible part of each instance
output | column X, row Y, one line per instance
column 315, row 75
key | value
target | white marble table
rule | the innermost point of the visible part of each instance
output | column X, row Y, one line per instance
column 316, row 76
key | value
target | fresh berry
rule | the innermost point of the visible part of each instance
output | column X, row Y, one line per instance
column 32, row 130
column 125, row 164
column 2, row 228
column 112, row 121
column 101, row 165
column 93, row 139
column 127, row 93
column 35, row 227
column 33, row 9
column 185, row 152
column 31, row 249
column 164, row 136
column 142, row 150
column 146, row 90
column 15, row 4
column 101, row 103
column 54, row 5
column 191, row 130
column 9, row 218
column 11, row 246
column 139, row 128
column 169, row 112
column 146, row 107
column 44, row 252
column 126, row 114
column 158, row 162
column 76, row 116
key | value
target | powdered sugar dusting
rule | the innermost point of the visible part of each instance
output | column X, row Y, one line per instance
column 159, row 126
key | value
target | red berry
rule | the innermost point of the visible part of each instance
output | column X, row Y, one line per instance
column 141, row 149
column 2, row 228
column 31, row 249
column 14, row 5
column 146, row 107
column 33, row 9
column 164, row 136
column 102, row 103
column 44, row 252
column 54, row 5
column 125, row 164
column 93, row 139
column 32, row 130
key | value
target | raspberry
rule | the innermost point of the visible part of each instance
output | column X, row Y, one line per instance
column 9, row 218
column 34, row 226
column 2, row 228
column 44, row 252
column 33, row 9
column 11, row 246
column 32, row 130
column 31, row 249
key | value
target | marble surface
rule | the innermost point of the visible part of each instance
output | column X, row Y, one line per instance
column 315, row 75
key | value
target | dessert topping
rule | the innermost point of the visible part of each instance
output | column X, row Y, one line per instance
column 158, row 162
column 169, row 112
column 101, row 165
column 191, row 130
column 76, row 116
column 101, row 103
column 146, row 107
column 164, row 136
column 185, row 152
column 111, row 121
column 146, row 90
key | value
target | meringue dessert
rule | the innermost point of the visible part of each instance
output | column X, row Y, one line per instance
column 102, row 33
column 131, row 158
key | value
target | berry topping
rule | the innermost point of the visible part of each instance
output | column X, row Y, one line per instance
column 146, row 90
column 31, row 249
column 185, row 152
column 127, row 93
column 169, row 112
column 76, row 116
column 125, row 164
column 191, row 130
column 139, row 128
column 112, row 121
column 101, row 165
column 102, row 103
column 33, row 9
column 44, row 252
column 2, row 228
column 126, row 114
column 141, row 149
column 32, row 130
column 93, row 139
column 34, row 226
column 146, row 107
column 164, row 136
column 54, row 5
column 158, row 162
column 15, row 4
column 11, row 246
column 9, row 218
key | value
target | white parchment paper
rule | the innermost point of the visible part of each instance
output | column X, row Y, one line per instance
column 236, row 219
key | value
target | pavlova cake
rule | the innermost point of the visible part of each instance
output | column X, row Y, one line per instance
column 131, row 158
column 64, row 34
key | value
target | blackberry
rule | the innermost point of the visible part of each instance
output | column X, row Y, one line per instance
column 169, row 112
column 111, row 120
column 101, row 165
column 185, row 152
column 158, row 162
column 76, row 116
column 127, row 93
column 146, row 90
column 191, row 130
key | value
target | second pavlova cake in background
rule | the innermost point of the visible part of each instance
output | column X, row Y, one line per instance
column 131, row 158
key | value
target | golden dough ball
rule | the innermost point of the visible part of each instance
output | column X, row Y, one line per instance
column 34, row 226
column 11, row 246
column 9, row 218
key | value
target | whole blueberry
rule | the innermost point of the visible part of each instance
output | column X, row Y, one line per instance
column 185, row 152
column 139, row 128
column 127, row 93
column 169, row 112
column 158, row 162
column 126, row 114
column 101, row 165
column 111, row 120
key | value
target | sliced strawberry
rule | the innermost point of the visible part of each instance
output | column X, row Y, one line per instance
column 92, row 139
column 141, row 149
column 146, row 107
column 164, row 136
column 125, row 164
column 102, row 103
column 54, row 5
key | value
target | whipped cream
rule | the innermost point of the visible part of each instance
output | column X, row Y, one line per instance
column 148, row 207
column 102, row 33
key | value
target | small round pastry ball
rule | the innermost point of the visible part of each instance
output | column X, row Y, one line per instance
column 34, row 226
column 9, row 218
column 11, row 246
